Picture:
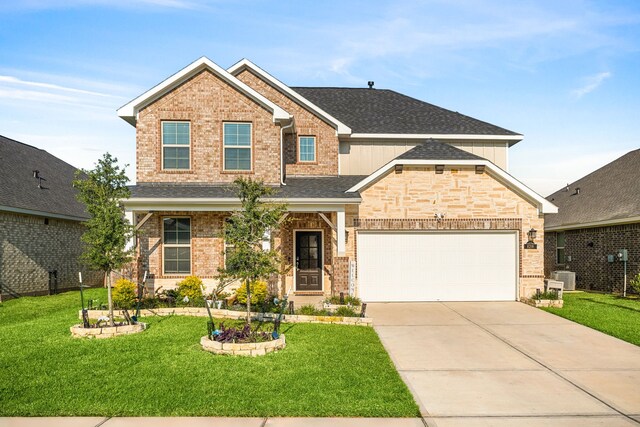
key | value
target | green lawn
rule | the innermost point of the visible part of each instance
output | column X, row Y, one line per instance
column 613, row 315
column 326, row 370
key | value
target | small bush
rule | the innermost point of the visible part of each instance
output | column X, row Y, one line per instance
column 552, row 295
column 258, row 293
column 310, row 310
column 240, row 335
column 335, row 300
column 192, row 288
column 124, row 294
column 345, row 311
column 635, row 283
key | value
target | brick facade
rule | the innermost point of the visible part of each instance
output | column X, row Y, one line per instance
column 206, row 102
column 588, row 249
column 307, row 124
column 32, row 246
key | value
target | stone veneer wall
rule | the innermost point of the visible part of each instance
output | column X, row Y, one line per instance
column 29, row 249
column 307, row 124
column 468, row 200
column 593, row 271
column 206, row 101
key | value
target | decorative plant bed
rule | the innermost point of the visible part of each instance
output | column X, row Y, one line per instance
column 557, row 303
column 243, row 349
column 79, row 331
column 238, row 315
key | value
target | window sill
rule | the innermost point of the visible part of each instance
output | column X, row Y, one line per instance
column 177, row 171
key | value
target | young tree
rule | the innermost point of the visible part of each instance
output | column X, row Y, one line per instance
column 108, row 231
column 244, row 232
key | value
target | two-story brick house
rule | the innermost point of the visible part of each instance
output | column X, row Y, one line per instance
column 389, row 197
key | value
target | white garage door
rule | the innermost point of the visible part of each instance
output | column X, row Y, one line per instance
column 437, row 266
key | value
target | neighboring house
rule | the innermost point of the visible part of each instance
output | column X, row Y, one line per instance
column 599, row 215
column 40, row 223
column 389, row 197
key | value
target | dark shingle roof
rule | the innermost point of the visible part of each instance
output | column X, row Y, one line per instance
column 386, row 111
column 325, row 187
column 19, row 189
column 436, row 150
column 609, row 193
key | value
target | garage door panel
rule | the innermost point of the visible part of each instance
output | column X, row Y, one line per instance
column 436, row 266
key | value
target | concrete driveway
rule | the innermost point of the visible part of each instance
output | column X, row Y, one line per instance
column 506, row 363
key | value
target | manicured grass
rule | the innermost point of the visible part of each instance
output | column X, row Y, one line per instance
column 613, row 315
column 326, row 370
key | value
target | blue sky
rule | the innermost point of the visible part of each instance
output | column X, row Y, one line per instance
column 566, row 74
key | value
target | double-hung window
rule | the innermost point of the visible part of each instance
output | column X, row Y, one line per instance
column 177, row 245
column 307, row 149
column 237, row 146
column 176, row 143
column 560, row 242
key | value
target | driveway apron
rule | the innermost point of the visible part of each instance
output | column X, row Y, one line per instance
column 505, row 363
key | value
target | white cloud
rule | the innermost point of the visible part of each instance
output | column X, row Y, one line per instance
column 591, row 83
column 16, row 81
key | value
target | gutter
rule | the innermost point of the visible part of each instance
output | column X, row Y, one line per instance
column 290, row 125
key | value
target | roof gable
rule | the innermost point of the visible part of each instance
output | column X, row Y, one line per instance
column 130, row 110
column 608, row 194
column 245, row 64
column 19, row 191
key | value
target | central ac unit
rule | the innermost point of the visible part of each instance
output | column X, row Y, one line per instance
column 566, row 277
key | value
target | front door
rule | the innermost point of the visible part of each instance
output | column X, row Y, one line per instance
column 308, row 261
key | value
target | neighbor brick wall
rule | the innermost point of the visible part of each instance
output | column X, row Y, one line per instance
column 307, row 124
column 467, row 199
column 206, row 101
column 29, row 249
column 593, row 271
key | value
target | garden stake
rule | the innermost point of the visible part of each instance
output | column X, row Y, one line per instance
column 363, row 310
column 210, row 323
column 85, row 314
column 291, row 311
column 140, row 288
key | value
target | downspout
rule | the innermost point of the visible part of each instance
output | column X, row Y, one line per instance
column 290, row 125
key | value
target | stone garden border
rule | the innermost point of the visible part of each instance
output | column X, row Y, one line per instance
column 239, row 315
column 557, row 303
column 243, row 349
column 79, row 331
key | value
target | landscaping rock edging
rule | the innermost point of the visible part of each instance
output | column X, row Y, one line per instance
column 239, row 315
column 243, row 349
column 79, row 331
column 556, row 303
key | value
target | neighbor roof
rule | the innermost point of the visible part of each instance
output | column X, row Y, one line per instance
column 19, row 190
column 433, row 149
column 321, row 187
column 609, row 194
column 383, row 111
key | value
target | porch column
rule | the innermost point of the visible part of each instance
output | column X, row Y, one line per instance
column 131, row 217
column 341, row 232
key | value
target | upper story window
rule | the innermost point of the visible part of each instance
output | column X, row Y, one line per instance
column 176, row 144
column 307, row 149
column 560, row 242
column 176, row 237
column 237, row 146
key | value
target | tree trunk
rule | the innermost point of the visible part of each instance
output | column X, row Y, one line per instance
column 111, row 322
column 248, row 284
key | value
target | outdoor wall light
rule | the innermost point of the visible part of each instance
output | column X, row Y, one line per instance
column 532, row 236
column 439, row 169
column 399, row 168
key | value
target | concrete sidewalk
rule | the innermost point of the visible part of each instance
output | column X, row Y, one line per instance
column 506, row 363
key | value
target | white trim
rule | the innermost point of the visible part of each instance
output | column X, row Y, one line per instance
column 162, row 145
column 250, row 148
column 176, row 245
column 243, row 64
column 42, row 213
column 225, row 205
column 544, row 206
column 594, row 224
column 514, row 138
column 129, row 111
column 295, row 283
column 341, row 233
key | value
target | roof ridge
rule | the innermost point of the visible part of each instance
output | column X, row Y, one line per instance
column 23, row 143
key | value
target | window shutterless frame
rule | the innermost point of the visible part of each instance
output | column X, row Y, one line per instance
column 172, row 138
column 560, row 245
column 177, row 245
column 237, row 147
column 307, row 149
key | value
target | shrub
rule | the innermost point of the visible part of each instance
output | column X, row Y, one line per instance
column 552, row 295
column 192, row 288
column 240, row 335
column 258, row 293
column 345, row 311
column 310, row 310
column 635, row 283
column 124, row 293
column 335, row 299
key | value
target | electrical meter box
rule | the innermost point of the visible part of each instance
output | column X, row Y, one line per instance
column 611, row 258
column 622, row 255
